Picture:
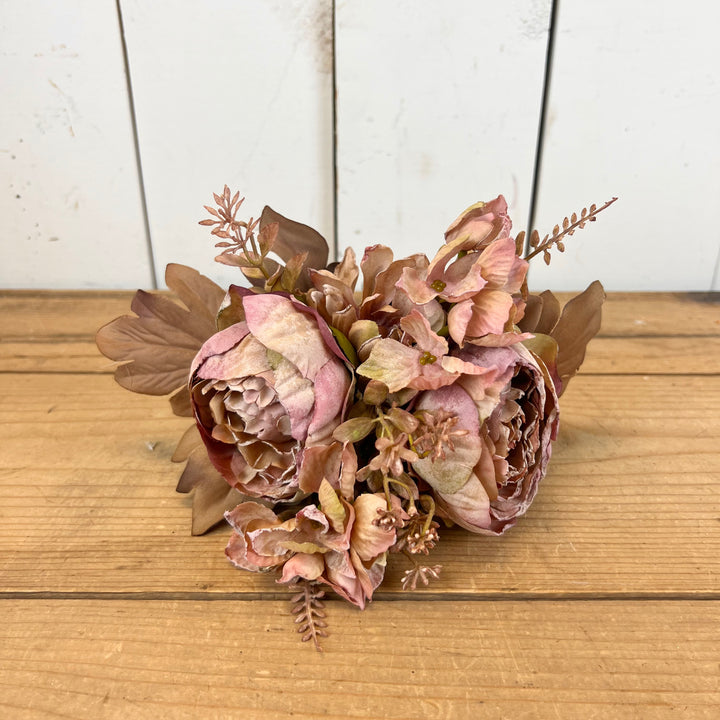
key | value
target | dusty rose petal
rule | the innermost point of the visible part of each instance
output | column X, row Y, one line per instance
column 416, row 287
column 418, row 327
column 469, row 507
column 490, row 312
column 391, row 363
column 302, row 565
column 369, row 540
column 272, row 319
column 449, row 475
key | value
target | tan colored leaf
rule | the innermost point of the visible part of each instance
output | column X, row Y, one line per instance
column 159, row 344
column 292, row 271
column 211, row 500
column 212, row 496
column 180, row 402
column 347, row 270
column 579, row 323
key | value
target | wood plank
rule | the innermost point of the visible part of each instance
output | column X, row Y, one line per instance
column 237, row 93
column 62, row 316
column 424, row 661
column 435, row 111
column 71, row 203
column 629, row 506
column 53, row 332
column 645, row 314
column 646, row 356
column 617, row 93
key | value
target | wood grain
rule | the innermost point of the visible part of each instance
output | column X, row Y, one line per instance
column 602, row 602
column 409, row 660
column 54, row 331
column 628, row 486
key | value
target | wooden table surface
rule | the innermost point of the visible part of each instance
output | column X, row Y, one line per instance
column 601, row 602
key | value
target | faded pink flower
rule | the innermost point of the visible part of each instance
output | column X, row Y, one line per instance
column 425, row 365
column 337, row 543
column 511, row 419
column 475, row 220
column 267, row 390
column 479, row 271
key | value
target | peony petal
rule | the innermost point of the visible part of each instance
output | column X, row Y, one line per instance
column 331, row 385
column 449, row 475
column 469, row 507
column 279, row 326
column 221, row 342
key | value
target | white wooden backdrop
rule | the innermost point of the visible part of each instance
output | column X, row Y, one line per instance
column 119, row 118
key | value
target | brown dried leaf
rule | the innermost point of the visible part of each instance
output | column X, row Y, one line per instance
column 212, row 496
column 180, row 402
column 200, row 294
column 550, row 313
column 293, row 238
column 291, row 272
column 579, row 323
column 158, row 346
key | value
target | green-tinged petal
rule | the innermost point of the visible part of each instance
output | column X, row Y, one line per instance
column 331, row 506
column 392, row 363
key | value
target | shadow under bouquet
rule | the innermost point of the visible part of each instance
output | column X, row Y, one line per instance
column 335, row 421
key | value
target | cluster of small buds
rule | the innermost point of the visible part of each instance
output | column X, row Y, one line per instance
column 422, row 573
column 387, row 520
column 437, row 434
column 422, row 542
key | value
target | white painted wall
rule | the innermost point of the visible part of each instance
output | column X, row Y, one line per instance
column 437, row 106
column 236, row 92
column 70, row 207
column 634, row 112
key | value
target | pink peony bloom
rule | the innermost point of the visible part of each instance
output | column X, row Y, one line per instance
column 267, row 390
column 337, row 543
column 511, row 417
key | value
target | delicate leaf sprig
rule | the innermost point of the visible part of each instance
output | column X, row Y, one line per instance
column 569, row 226
column 308, row 606
column 238, row 240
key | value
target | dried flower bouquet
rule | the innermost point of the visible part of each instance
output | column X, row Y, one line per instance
column 335, row 424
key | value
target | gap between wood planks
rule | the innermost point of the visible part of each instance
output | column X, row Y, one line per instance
column 381, row 597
